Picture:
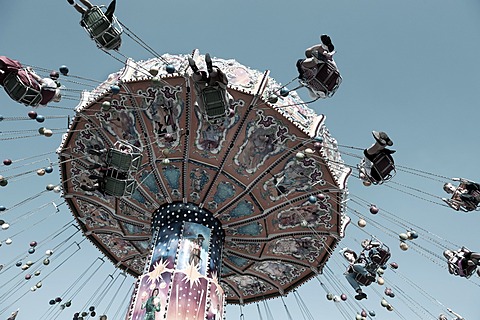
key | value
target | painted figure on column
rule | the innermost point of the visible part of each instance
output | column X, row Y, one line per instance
column 196, row 250
column 214, row 312
column 151, row 305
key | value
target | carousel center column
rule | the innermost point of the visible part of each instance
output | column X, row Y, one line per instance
column 181, row 277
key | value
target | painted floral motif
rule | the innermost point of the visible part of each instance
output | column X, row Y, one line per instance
column 252, row 229
column 251, row 248
column 198, row 179
column 238, row 261
column 120, row 122
column 136, row 264
column 250, row 285
column 118, row 246
column 304, row 248
column 278, row 271
column 228, row 291
column 244, row 208
column 210, row 138
column 93, row 216
column 172, row 176
column 225, row 190
column 307, row 215
column 264, row 138
column 296, row 176
column 163, row 107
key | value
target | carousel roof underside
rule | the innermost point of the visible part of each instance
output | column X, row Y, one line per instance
column 275, row 241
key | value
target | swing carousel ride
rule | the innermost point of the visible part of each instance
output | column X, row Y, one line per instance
column 207, row 194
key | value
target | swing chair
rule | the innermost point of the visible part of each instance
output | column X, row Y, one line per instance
column 383, row 253
column 106, row 34
column 459, row 204
column 119, row 187
column 123, row 161
column 323, row 79
column 379, row 170
column 215, row 104
column 20, row 92
column 124, row 157
column 456, row 265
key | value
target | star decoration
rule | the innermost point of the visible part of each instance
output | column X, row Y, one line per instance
column 192, row 275
column 156, row 273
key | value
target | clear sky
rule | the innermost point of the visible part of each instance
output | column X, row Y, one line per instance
column 409, row 68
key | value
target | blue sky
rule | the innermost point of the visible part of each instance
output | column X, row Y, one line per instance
column 409, row 68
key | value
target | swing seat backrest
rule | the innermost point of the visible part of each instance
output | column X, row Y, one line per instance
column 363, row 280
column 383, row 168
column 458, row 202
column 215, row 104
column 325, row 78
column 20, row 92
column 473, row 205
column 328, row 75
column 384, row 254
column 123, row 161
column 105, row 33
column 456, row 265
column 119, row 188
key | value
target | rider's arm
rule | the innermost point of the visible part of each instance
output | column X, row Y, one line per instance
column 375, row 244
column 310, row 51
column 34, row 75
column 459, row 317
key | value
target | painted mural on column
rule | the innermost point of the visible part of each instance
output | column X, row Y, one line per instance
column 154, row 285
column 188, row 296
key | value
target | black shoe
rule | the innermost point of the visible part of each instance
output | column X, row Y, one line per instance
column 95, row 177
column 71, row 2
column 87, row 188
column 94, row 166
column 388, row 151
column 326, row 40
column 208, row 61
column 192, row 65
column 96, row 152
column 361, row 295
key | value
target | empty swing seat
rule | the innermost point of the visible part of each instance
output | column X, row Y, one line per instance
column 124, row 161
column 215, row 105
column 119, row 188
